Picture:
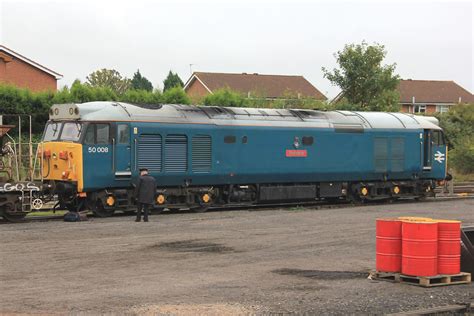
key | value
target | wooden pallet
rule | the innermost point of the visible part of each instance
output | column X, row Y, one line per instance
column 438, row 280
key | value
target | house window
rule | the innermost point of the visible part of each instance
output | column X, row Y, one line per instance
column 420, row 108
column 442, row 108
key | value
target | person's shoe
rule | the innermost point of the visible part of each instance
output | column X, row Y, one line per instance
column 145, row 220
column 137, row 220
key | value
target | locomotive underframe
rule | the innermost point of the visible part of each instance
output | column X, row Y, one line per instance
column 200, row 198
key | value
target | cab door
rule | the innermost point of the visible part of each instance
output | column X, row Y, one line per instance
column 439, row 158
column 427, row 150
column 122, row 152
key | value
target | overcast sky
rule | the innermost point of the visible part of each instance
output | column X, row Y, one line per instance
column 427, row 39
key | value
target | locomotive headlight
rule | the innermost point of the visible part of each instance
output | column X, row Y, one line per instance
column 396, row 190
column 364, row 191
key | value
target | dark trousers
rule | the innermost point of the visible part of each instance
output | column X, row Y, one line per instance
column 144, row 207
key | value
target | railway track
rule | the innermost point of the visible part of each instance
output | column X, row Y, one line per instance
column 457, row 188
column 319, row 205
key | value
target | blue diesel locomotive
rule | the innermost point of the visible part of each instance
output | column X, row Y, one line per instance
column 215, row 156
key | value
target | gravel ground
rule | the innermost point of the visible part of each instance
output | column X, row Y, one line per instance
column 218, row 263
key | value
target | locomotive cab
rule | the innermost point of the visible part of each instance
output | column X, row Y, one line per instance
column 80, row 157
column 61, row 155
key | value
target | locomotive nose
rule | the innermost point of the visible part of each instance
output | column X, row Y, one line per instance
column 62, row 161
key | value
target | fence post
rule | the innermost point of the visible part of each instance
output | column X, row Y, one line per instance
column 451, row 187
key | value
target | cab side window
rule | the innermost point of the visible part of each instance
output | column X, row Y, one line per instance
column 438, row 138
column 102, row 133
column 123, row 134
column 90, row 135
column 97, row 134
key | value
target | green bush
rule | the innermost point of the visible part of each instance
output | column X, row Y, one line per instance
column 175, row 95
column 458, row 126
column 461, row 157
column 224, row 97
column 141, row 96
column 291, row 100
column 15, row 101
column 228, row 97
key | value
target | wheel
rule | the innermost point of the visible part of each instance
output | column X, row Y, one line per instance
column 204, row 201
column 11, row 212
column 100, row 211
column 14, row 218
column 37, row 204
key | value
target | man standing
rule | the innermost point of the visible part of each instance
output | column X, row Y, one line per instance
column 144, row 194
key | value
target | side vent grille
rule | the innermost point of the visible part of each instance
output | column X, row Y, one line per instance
column 380, row 154
column 202, row 154
column 176, row 153
column 398, row 154
column 149, row 152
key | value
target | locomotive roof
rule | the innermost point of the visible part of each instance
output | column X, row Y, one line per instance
column 178, row 113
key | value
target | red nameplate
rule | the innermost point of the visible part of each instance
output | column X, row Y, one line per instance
column 296, row 153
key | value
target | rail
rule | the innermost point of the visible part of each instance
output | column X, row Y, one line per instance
column 318, row 205
column 452, row 188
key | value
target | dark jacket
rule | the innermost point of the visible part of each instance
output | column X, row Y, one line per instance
column 146, row 189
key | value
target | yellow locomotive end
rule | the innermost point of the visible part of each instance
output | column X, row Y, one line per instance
column 62, row 161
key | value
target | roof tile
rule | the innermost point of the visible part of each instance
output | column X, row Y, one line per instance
column 271, row 86
column 431, row 91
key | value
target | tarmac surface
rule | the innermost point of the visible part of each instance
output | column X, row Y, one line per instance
column 292, row 260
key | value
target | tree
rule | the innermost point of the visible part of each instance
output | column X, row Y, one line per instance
column 458, row 126
column 109, row 78
column 224, row 97
column 175, row 95
column 364, row 81
column 141, row 97
column 141, row 83
column 171, row 81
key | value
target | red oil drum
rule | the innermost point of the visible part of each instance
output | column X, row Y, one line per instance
column 420, row 248
column 449, row 246
column 416, row 219
column 388, row 245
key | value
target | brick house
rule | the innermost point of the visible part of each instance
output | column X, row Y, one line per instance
column 430, row 96
column 17, row 70
column 267, row 86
